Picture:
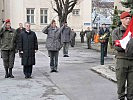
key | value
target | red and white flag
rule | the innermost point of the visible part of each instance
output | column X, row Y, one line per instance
column 126, row 37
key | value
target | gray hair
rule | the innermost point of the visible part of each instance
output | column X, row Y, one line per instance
column 27, row 23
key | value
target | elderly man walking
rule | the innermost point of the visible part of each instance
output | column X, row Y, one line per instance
column 28, row 46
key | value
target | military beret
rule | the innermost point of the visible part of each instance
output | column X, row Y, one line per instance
column 7, row 21
column 124, row 15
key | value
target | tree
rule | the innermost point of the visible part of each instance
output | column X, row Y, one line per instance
column 128, row 4
column 63, row 8
column 116, row 18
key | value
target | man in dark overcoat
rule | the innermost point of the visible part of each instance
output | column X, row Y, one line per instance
column 28, row 46
column 104, row 30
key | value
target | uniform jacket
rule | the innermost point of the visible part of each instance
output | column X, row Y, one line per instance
column 88, row 34
column 8, row 39
column 117, row 34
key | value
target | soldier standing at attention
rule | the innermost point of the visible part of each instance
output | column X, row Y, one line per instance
column 73, row 36
column 82, row 36
column 65, row 39
column 8, row 47
column 124, row 64
column 88, row 33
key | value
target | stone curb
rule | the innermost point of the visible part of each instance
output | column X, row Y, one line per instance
column 105, row 71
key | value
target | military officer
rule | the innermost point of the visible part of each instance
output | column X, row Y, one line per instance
column 8, row 46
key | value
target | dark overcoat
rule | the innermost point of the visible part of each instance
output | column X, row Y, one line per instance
column 28, row 44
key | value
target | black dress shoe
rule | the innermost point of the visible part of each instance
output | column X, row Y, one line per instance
column 51, row 71
column 66, row 56
column 10, row 73
column 55, row 71
column 11, row 76
column 26, row 77
column 29, row 77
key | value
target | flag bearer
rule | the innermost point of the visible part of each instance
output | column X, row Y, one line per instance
column 124, row 64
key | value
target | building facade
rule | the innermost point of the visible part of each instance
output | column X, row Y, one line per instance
column 40, row 13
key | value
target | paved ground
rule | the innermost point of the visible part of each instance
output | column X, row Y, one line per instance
column 75, row 80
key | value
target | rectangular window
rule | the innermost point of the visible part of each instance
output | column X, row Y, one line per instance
column 30, row 15
column 76, row 12
column 43, row 16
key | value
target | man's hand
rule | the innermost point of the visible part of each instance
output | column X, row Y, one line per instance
column 36, row 51
column 21, row 52
column 117, row 43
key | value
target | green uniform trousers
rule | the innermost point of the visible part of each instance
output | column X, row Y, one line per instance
column 124, row 73
column 8, row 58
column 88, row 43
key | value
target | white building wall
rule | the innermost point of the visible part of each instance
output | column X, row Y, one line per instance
column 77, row 22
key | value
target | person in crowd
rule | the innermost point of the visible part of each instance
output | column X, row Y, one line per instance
column 65, row 38
column 20, row 29
column 88, row 34
column 82, row 36
column 73, row 36
column 104, row 30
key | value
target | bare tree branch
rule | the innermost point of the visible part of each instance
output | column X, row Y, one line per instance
column 63, row 8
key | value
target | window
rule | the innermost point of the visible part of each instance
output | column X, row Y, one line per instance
column 43, row 16
column 76, row 12
column 30, row 15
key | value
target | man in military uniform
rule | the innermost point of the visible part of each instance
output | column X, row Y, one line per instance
column 82, row 36
column 104, row 30
column 8, row 46
column 124, row 64
column 65, row 39
column 73, row 36
column 88, row 33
